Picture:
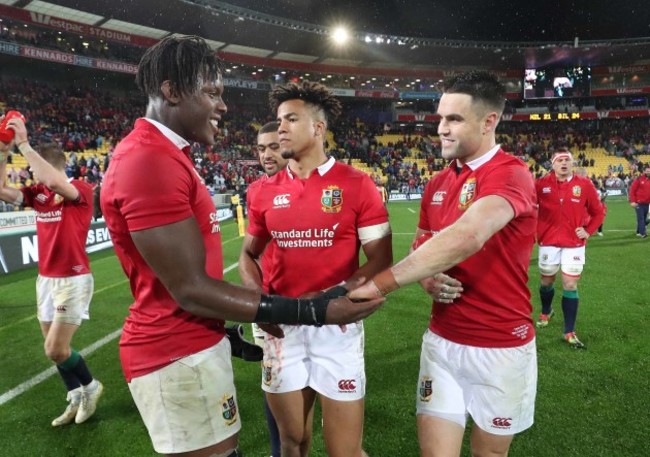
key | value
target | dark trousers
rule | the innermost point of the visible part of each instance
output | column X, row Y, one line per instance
column 641, row 215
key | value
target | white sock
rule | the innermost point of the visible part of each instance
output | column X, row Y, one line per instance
column 91, row 387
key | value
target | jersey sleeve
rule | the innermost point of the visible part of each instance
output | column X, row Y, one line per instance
column 423, row 223
column 158, row 195
column 371, row 207
column 85, row 193
column 256, row 221
column 514, row 183
column 595, row 208
column 28, row 196
column 633, row 188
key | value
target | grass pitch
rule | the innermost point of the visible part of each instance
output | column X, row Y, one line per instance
column 590, row 403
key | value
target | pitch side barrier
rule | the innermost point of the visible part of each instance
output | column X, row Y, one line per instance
column 399, row 196
column 19, row 243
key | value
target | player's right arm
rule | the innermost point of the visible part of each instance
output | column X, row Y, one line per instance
column 8, row 194
column 180, row 266
column 633, row 193
column 250, row 271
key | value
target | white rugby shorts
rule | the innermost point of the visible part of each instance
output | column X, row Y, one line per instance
column 572, row 260
column 496, row 386
column 325, row 358
column 64, row 299
column 191, row 403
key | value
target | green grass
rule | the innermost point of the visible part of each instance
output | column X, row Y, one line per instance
column 590, row 403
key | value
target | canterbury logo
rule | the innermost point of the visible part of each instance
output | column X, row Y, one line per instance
column 438, row 197
column 501, row 422
column 61, row 309
column 281, row 200
column 347, row 385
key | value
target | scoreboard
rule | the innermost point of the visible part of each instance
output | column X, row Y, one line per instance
column 554, row 116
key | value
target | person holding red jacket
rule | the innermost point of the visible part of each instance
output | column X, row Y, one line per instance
column 569, row 212
column 640, row 201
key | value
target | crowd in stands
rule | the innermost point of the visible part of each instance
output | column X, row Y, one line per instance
column 88, row 123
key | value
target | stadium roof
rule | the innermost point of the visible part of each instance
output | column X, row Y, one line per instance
column 445, row 34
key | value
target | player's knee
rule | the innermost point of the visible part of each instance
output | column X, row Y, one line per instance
column 548, row 270
column 293, row 441
column 56, row 353
column 572, row 273
column 570, row 285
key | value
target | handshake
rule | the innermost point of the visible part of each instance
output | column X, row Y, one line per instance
column 331, row 306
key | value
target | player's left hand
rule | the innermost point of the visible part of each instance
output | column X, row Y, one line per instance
column 443, row 288
column 582, row 233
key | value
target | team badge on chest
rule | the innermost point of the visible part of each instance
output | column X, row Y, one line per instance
column 332, row 199
column 467, row 194
column 577, row 191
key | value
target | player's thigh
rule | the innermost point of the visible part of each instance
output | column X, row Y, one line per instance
column 487, row 444
column 549, row 259
column 439, row 437
column 342, row 426
column 191, row 403
column 573, row 261
column 293, row 413
column 60, row 335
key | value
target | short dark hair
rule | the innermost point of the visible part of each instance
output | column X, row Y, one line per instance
column 179, row 59
column 269, row 127
column 52, row 154
column 312, row 93
column 480, row 85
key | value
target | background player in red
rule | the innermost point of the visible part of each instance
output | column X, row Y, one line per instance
column 166, row 234
column 569, row 212
column 478, row 355
column 64, row 287
column 640, row 201
column 317, row 213
column 271, row 160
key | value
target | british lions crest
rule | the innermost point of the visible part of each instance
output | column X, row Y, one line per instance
column 332, row 199
column 467, row 194
column 426, row 389
column 229, row 409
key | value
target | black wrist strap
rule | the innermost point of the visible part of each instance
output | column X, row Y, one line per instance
column 274, row 309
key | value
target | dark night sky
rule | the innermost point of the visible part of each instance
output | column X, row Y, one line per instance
column 483, row 20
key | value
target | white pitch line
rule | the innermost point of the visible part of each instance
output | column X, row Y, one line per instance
column 411, row 210
column 43, row 375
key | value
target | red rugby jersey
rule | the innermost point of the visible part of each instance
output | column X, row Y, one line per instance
column 313, row 224
column 267, row 255
column 494, row 309
column 565, row 206
column 151, row 182
column 62, row 228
